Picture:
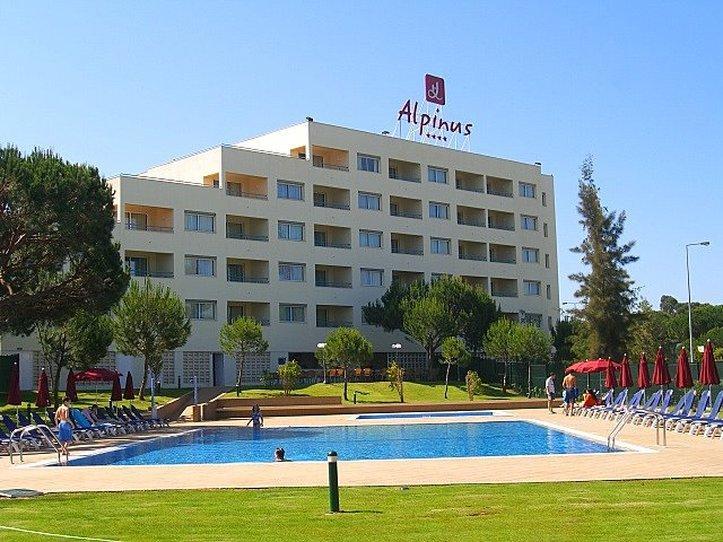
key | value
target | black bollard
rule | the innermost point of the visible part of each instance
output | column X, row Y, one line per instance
column 333, row 482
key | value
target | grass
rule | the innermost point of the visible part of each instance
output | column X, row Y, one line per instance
column 662, row 510
column 87, row 398
column 381, row 392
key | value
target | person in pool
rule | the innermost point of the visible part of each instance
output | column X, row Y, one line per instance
column 256, row 417
column 280, row 455
column 65, row 428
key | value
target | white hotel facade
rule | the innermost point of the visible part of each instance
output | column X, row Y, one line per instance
column 301, row 227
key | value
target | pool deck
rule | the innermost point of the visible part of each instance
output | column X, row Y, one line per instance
column 684, row 456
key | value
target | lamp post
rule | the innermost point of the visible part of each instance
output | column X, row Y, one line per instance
column 321, row 346
column 690, row 311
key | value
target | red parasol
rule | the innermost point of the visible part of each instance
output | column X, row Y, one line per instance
column 591, row 366
column 661, row 376
column 610, row 380
column 643, row 375
column 43, row 398
column 708, row 370
column 683, row 378
column 116, row 394
column 129, row 393
column 70, row 391
column 97, row 374
column 14, row 397
column 626, row 377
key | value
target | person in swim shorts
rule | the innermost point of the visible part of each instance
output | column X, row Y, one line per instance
column 65, row 428
column 569, row 393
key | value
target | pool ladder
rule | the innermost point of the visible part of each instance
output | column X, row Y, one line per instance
column 624, row 419
column 46, row 433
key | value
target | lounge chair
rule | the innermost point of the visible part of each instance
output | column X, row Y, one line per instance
column 118, row 417
column 605, row 401
column 683, row 424
column 80, row 420
column 649, row 417
column 618, row 403
column 681, row 410
column 16, row 444
column 150, row 422
column 114, row 427
column 650, row 405
column 694, row 426
column 30, row 439
column 632, row 405
column 165, row 422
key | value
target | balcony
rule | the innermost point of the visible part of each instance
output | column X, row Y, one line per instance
column 405, row 207
column 328, row 158
column 256, row 310
column 500, row 187
column 247, row 186
column 472, row 182
column 472, row 250
column 334, row 316
column 407, row 277
column 247, row 228
column 149, row 264
column 331, row 197
column 146, row 218
column 476, row 281
column 249, row 271
column 470, row 216
column 503, row 253
column 503, row 287
column 500, row 220
column 332, row 236
column 405, row 171
column 407, row 244
column 332, row 276
column 211, row 181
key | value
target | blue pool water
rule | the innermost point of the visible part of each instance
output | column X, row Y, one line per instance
column 414, row 415
column 242, row 444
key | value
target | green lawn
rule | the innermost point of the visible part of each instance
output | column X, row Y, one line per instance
column 87, row 398
column 667, row 510
column 380, row 392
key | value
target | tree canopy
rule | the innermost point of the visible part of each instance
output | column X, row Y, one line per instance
column 349, row 348
column 56, row 248
column 454, row 352
column 242, row 337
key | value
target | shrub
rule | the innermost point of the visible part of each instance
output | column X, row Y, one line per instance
column 289, row 374
column 474, row 384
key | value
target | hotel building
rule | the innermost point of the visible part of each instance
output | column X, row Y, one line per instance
column 301, row 227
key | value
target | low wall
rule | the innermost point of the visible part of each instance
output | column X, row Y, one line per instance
column 278, row 401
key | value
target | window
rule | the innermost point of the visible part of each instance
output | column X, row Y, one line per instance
column 137, row 267
column 544, row 199
column 136, row 221
column 373, row 202
column 372, row 277
column 548, row 292
column 200, row 310
column 292, row 313
column 437, row 175
column 527, row 190
column 434, row 277
column 531, row 287
column 530, row 255
column 291, row 271
column 439, row 246
column 547, row 261
column 370, row 239
column 438, row 210
column 203, row 222
column 528, row 222
column 544, row 229
column 289, row 190
column 293, row 231
column 319, row 199
column 235, row 272
column 235, row 312
column 200, row 265
column 364, row 162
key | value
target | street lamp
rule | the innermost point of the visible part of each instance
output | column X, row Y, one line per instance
column 690, row 311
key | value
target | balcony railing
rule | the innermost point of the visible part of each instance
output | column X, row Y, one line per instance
column 331, row 166
column 329, row 244
column 332, row 284
column 503, row 259
column 470, row 222
column 468, row 188
column 241, row 194
column 496, row 293
column 471, row 256
column 497, row 192
column 409, row 178
column 405, row 214
column 152, row 274
column 331, row 323
column 331, row 205
column 500, row 226
column 261, row 321
column 149, row 227
column 412, row 251
column 230, row 234
column 234, row 277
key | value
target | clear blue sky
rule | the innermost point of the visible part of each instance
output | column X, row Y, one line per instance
column 127, row 85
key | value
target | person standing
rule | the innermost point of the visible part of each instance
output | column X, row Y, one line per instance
column 65, row 428
column 550, row 389
column 569, row 392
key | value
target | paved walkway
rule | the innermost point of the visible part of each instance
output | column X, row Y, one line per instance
column 685, row 456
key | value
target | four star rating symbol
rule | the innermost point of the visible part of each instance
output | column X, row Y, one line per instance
column 439, row 137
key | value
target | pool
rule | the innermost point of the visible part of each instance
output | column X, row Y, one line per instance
column 415, row 415
column 218, row 445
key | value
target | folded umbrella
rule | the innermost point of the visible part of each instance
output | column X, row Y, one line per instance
column 116, row 394
column 43, row 397
column 71, row 391
column 610, row 380
column 626, row 377
column 643, row 374
column 683, row 378
column 661, row 376
column 14, row 397
column 708, row 371
column 129, row 393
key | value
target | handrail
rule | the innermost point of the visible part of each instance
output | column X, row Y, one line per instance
column 44, row 430
column 621, row 422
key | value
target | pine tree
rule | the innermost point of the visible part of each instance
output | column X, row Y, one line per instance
column 606, row 290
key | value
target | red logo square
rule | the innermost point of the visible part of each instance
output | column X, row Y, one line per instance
column 434, row 89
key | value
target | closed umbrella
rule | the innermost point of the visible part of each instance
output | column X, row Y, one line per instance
column 14, row 397
column 708, row 371
column 70, row 390
column 43, row 398
column 626, row 377
column 661, row 376
column 116, row 394
column 129, row 393
column 683, row 378
column 643, row 374
column 610, row 380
